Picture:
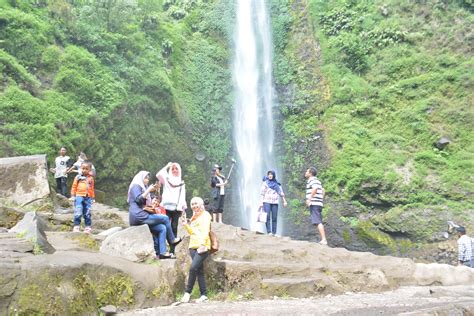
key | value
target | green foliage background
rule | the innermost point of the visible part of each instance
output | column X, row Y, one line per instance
column 391, row 79
column 133, row 84
column 366, row 88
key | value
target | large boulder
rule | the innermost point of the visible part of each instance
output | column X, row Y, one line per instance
column 23, row 180
column 32, row 228
column 80, row 283
column 134, row 243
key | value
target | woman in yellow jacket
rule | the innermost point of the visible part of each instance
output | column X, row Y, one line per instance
column 199, row 245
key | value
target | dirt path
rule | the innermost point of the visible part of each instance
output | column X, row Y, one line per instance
column 444, row 300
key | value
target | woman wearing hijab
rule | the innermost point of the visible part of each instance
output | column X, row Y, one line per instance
column 271, row 190
column 199, row 245
column 138, row 198
column 174, row 194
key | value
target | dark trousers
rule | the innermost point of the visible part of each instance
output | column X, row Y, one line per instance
column 174, row 218
column 197, row 271
column 61, row 186
column 272, row 211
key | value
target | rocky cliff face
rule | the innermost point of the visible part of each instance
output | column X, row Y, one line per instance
column 354, row 105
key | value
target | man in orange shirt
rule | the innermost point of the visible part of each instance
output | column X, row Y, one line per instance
column 83, row 193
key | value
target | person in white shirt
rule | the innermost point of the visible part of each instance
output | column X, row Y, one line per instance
column 314, row 200
column 76, row 167
column 174, row 195
column 465, row 245
column 62, row 164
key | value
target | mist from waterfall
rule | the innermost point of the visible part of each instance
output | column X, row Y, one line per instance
column 254, row 99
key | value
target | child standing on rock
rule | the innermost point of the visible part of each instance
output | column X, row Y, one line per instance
column 83, row 193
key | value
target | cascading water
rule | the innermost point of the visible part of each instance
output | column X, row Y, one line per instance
column 254, row 99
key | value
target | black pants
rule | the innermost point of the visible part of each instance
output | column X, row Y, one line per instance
column 61, row 186
column 174, row 218
column 219, row 204
column 197, row 270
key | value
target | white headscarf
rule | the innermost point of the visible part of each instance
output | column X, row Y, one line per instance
column 174, row 190
column 139, row 179
column 174, row 181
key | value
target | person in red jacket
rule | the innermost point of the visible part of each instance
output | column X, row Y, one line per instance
column 83, row 193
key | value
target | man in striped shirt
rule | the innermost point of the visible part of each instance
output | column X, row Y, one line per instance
column 314, row 200
column 464, row 248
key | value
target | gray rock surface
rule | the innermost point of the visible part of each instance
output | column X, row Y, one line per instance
column 433, row 300
column 134, row 243
column 54, row 284
column 109, row 310
column 32, row 228
column 24, row 179
column 265, row 265
column 110, row 231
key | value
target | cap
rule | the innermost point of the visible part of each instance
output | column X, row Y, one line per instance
column 216, row 166
column 461, row 230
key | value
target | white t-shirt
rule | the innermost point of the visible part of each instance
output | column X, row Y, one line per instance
column 61, row 166
column 221, row 189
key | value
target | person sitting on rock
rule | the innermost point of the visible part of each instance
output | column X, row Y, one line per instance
column 199, row 246
column 160, row 226
column 83, row 193
column 465, row 245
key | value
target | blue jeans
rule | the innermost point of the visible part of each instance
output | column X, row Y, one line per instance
column 272, row 211
column 161, row 230
column 159, row 238
column 82, row 207
column 197, row 270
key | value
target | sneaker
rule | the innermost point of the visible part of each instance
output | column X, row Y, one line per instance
column 202, row 299
column 88, row 230
column 276, row 235
column 270, row 234
column 176, row 241
column 323, row 242
column 186, row 297
column 76, row 229
column 166, row 256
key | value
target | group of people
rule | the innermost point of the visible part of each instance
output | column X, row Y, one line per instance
column 163, row 212
column 82, row 191
column 272, row 191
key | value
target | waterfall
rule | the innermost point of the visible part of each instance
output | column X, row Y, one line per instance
column 254, row 99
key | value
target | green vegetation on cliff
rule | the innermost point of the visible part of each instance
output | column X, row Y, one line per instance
column 392, row 78
column 366, row 89
column 134, row 84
